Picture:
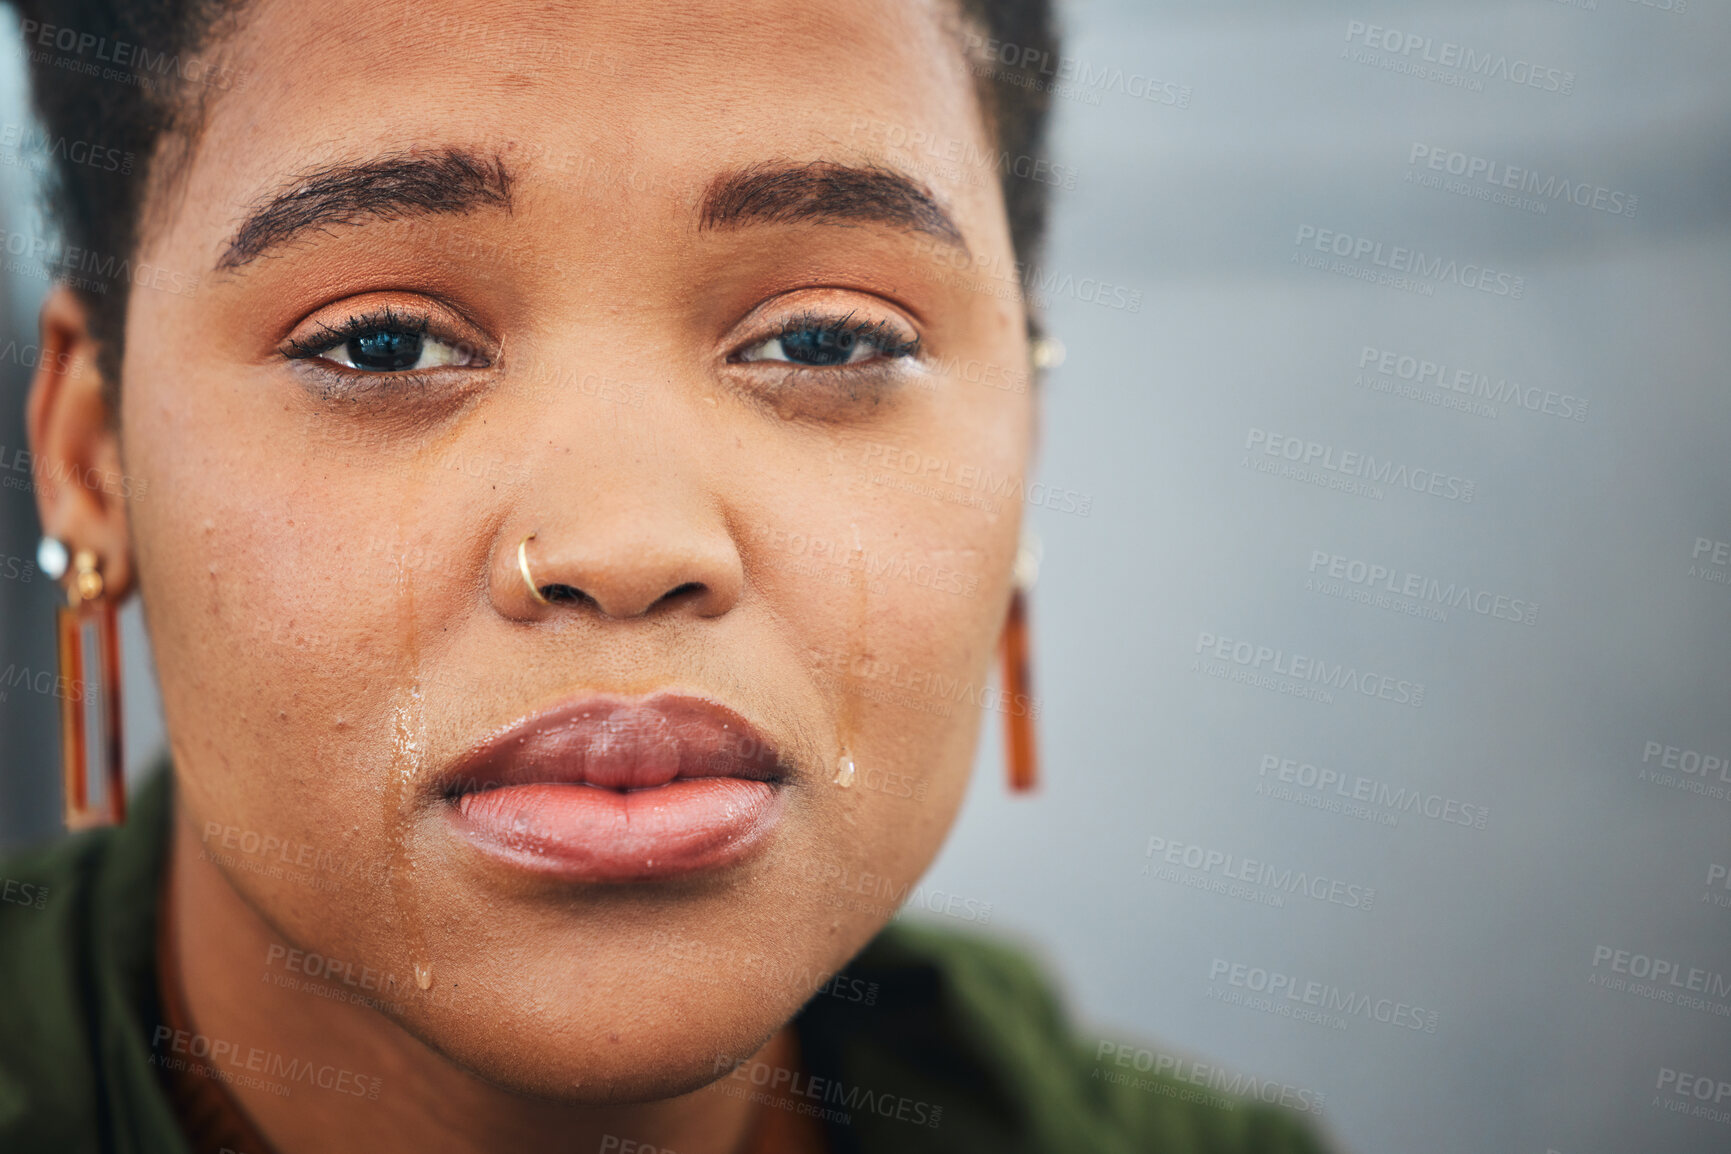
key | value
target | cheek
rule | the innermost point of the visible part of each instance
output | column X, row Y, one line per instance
column 896, row 596
column 276, row 600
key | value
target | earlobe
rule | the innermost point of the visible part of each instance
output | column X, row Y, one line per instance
column 75, row 460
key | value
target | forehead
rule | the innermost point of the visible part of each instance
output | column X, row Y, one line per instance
column 646, row 95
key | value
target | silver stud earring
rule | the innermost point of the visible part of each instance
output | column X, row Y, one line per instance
column 52, row 558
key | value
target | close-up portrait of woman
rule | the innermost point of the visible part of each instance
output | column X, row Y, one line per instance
column 521, row 520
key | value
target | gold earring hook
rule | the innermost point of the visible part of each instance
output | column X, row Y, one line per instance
column 87, row 583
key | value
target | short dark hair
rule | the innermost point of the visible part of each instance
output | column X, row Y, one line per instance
column 159, row 87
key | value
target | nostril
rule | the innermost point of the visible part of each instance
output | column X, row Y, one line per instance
column 563, row 594
column 688, row 591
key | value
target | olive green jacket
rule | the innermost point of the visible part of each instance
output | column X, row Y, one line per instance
column 933, row 1041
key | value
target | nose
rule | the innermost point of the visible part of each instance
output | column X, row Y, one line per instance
column 636, row 559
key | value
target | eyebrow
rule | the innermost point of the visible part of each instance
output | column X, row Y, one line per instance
column 825, row 192
column 395, row 187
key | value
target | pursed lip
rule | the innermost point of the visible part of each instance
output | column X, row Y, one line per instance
column 610, row 789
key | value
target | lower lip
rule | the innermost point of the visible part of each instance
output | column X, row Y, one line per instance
column 587, row 833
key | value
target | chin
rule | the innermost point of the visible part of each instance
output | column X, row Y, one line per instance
column 573, row 1064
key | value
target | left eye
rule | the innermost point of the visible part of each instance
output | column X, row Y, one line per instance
column 397, row 350
column 822, row 346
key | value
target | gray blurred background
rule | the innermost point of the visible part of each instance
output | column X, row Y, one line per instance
column 1517, row 948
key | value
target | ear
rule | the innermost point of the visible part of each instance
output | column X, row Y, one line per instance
column 81, row 490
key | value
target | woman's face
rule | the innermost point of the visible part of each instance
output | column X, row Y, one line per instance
column 675, row 289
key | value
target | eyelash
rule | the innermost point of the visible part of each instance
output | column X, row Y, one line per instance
column 885, row 336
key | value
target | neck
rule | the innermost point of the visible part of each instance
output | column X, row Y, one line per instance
column 399, row 1095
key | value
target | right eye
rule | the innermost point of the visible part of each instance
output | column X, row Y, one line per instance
column 383, row 341
column 397, row 350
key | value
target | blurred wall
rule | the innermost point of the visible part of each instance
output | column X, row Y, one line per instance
column 1303, row 435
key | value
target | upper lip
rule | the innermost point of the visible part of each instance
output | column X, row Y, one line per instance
column 618, row 743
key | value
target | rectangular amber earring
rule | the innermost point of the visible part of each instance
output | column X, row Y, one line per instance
column 88, row 621
column 1019, row 696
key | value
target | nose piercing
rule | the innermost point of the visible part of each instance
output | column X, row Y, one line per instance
column 523, row 568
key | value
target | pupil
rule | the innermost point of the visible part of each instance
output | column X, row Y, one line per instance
column 818, row 346
column 385, row 351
